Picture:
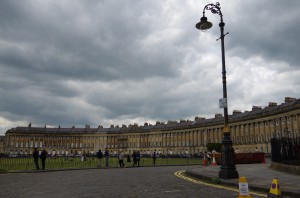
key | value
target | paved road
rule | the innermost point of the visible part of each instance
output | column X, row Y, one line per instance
column 126, row 182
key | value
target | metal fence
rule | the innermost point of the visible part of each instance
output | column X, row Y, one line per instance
column 8, row 164
column 286, row 150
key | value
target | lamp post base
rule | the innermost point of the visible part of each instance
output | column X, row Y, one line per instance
column 228, row 174
column 228, row 169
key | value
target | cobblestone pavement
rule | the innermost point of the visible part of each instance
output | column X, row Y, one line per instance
column 115, row 182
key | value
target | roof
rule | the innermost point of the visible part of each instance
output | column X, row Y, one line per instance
column 256, row 112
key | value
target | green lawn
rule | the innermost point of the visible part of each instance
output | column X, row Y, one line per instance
column 15, row 164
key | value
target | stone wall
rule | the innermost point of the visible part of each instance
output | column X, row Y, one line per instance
column 286, row 168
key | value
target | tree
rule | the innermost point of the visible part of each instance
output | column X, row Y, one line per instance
column 214, row 146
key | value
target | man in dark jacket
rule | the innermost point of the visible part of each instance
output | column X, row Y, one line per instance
column 154, row 155
column 36, row 158
column 43, row 158
column 134, row 158
column 106, row 157
column 99, row 156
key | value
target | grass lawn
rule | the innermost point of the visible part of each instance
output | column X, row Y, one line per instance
column 15, row 164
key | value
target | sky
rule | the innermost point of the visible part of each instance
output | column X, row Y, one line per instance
column 104, row 62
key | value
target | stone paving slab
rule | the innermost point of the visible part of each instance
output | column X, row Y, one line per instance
column 259, row 177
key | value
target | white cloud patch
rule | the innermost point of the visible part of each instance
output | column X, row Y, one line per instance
column 111, row 62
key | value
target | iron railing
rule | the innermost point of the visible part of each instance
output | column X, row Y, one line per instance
column 11, row 164
column 286, row 150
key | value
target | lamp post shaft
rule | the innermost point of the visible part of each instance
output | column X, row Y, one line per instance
column 222, row 24
column 228, row 169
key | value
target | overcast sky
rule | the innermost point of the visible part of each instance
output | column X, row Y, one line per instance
column 103, row 62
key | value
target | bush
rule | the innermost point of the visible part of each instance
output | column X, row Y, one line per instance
column 214, row 146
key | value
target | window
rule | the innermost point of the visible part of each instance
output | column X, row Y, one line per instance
column 268, row 137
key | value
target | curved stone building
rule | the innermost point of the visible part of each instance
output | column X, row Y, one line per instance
column 250, row 131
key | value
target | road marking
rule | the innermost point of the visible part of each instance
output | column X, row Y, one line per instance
column 171, row 191
column 180, row 175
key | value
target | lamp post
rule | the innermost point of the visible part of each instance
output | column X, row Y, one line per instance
column 228, row 169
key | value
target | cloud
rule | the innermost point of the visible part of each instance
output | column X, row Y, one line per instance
column 267, row 29
column 111, row 62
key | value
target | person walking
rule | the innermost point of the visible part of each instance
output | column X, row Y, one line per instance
column 106, row 154
column 128, row 158
column 43, row 158
column 99, row 156
column 36, row 158
column 138, row 157
column 134, row 158
column 154, row 155
column 208, row 158
column 121, row 159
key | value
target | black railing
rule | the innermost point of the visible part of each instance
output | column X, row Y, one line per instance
column 286, row 150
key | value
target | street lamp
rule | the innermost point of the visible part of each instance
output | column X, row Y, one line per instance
column 228, row 169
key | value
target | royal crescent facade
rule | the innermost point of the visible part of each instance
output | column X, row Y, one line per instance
column 250, row 131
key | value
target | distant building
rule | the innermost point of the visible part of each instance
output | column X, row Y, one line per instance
column 249, row 130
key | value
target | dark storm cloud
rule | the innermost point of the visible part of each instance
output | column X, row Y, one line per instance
column 268, row 29
column 97, row 45
column 113, row 62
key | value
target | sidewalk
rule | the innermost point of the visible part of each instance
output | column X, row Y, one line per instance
column 259, row 177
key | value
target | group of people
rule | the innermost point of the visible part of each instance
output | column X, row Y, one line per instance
column 37, row 155
column 100, row 155
column 136, row 156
